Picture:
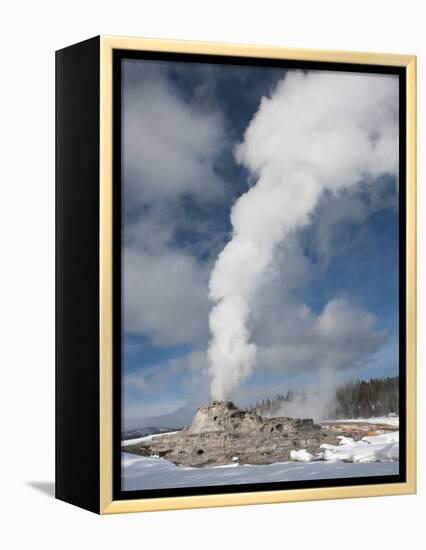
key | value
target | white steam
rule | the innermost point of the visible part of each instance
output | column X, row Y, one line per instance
column 318, row 132
column 314, row 403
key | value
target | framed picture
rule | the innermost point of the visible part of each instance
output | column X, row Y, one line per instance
column 235, row 274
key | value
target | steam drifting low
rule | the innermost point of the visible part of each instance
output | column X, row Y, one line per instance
column 318, row 132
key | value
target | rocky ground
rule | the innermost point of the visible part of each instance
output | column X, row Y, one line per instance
column 357, row 430
column 221, row 433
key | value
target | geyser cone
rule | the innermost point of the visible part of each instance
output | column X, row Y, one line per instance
column 221, row 433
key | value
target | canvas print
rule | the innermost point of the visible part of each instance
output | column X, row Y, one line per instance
column 260, row 314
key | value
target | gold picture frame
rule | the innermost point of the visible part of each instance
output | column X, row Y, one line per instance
column 107, row 46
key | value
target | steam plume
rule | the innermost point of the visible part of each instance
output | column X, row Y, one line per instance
column 317, row 132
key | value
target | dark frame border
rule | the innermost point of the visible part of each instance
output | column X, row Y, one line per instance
column 77, row 245
column 401, row 72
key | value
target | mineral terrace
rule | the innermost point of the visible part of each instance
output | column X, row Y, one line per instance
column 221, row 433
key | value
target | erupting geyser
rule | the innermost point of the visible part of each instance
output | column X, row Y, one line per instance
column 318, row 132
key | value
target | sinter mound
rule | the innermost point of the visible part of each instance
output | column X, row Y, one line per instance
column 221, row 433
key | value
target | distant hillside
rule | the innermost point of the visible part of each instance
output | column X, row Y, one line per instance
column 175, row 420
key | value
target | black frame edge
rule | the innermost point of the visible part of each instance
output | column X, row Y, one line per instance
column 77, row 426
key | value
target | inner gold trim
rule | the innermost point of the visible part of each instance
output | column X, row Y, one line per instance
column 105, row 275
column 107, row 45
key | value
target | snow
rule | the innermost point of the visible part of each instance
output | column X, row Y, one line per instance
column 371, row 456
column 390, row 420
column 127, row 442
column 375, row 448
column 304, row 456
column 139, row 472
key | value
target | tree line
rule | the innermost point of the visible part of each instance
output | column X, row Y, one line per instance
column 353, row 399
column 361, row 398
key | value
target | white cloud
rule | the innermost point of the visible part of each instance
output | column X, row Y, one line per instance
column 341, row 337
column 169, row 144
column 152, row 231
column 165, row 296
column 153, row 378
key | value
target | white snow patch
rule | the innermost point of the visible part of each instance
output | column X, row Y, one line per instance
column 233, row 465
column 304, row 456
column 375, row 448
column 127, row 442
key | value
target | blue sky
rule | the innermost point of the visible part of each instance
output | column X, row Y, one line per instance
column 181, row 124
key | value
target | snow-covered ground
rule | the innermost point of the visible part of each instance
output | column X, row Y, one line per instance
column 156, row 473
column 372, row 456
column 128, row 442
